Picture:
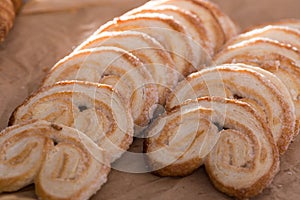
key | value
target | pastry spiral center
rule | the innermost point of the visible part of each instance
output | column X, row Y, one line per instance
column 69, row 163
column 237, row 150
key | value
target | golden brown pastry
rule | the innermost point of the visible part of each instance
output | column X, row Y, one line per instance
column 153, row 55
column 237, row 147
column 114, row 66
column 232, row 81
column 282, row 34
column 94, row 109
column 178, row 142
column 280, row 59
column 245, row 159
column 291, row 23
column 7, row 17
column 219, row 26
column 166, row 30
column 62, row 162
column 193, row 24
column 131, row 56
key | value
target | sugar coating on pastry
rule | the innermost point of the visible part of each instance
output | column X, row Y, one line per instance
column 245, row 159
column 178, row 142
column 219, row 26
column 62, row 162
column 236, row 145
column 146, row 48
column 282, row 34
column 131, row 78
column 232, row 81
column 94, row 109
column 292, row 23
column 289, row 22
column 138, row 59
column 193, row 25
column 280, row 59
column 166, row 30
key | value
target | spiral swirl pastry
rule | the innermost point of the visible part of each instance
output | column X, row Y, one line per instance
column 232, row 81
column 115, row 66
column 153, row 55
column 241, row 157
column 280, row 59
column 194, row 26
column 94, row 109
column 166, row 30
column 61, row 161
column 245, row 159
column 219, row 26
column 282, row 34
column 178, row 142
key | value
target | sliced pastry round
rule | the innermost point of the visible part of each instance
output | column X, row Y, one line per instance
column 61, row 161
column 166, row 30
column 114, row 66
column 232, row 81
column 280, row 59
column 193, row 24
column 94, row 109
column 282, row 34
column 238, row 149
column 219, row 26
column 153, row 55
column 245, row 159
column 178, row 142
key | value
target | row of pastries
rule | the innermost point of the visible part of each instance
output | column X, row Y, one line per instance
column 230, row 103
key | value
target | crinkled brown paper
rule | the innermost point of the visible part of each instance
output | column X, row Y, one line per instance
column 47, row 30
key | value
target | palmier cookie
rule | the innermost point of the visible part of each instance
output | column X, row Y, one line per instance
column 116, row 67
column 219, row 26
column 62, row 162
column 282, row 34
column 177, row 142
column 166, row 30
column 153, row 55
column 193, row 24
column 232, row 81
column 245, row 159
column 94, row 109
column 280, row 59
column 226, row 134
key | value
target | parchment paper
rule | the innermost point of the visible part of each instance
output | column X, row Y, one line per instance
column 47, row 30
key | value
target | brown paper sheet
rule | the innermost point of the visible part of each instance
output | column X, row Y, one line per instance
column 44, row 33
